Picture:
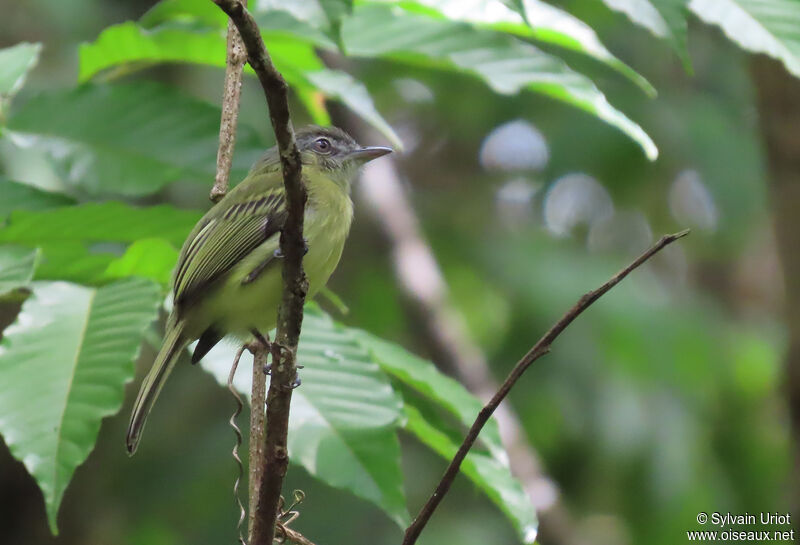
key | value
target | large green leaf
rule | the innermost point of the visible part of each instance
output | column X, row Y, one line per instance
column 128, row 46
column 129, row 43
column 761, row 26
column 344, row 416
column 17, row 196
column 63, row 366
column 15, row 63
column 99, row 222
column 506, row 64
column 423, row 377
column 663, row 18
column 75, row 262
column 73, row 239
column 489, row 474
column 129, row 139
column 528, row 19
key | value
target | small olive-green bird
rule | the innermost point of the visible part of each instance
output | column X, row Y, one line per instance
column 228, row 277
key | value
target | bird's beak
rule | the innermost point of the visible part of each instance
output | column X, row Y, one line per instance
column 365, row 155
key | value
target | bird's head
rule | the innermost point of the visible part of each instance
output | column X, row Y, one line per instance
column 335, row 153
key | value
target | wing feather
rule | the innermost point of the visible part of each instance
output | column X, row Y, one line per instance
column 224, row 241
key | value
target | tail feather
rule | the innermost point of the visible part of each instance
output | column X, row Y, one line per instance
column 171, row 349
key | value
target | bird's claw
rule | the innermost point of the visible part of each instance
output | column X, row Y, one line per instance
column 278, row 253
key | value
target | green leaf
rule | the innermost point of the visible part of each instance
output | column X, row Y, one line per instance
column 506, row 64
column 128, row 46
column 771, row 27
column 80, row 243
column 17, row 265
column 665, row 19
column 75, row 262
column 129, row 139
column 15, row 63
column 17, row 196
column 99, row 222
column 131, row 45
column 344, row 416
column 152, row 258
column 490, row 475
column 423, row 377
column 63, row 366
column 529, row 19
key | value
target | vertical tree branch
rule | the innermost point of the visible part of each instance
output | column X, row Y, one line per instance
column 258, row 399
column 234, row 66
column 538, row 350
column 290, row 314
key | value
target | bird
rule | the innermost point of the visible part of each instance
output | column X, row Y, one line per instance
column 227, row 281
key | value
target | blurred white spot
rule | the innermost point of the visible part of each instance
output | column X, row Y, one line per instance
column 514, row 200
column 573, row 199
column 625, row 232
column 413, row 90
column 529, row 534
column 517, row 191
column 691, row 203
column 513, row 146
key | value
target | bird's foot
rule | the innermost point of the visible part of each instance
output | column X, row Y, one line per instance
column 260, row 342
column 278, row 253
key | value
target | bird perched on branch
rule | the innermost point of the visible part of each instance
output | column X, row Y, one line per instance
column 228, row 277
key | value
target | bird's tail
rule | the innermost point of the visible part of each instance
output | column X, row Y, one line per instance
column 171, row 349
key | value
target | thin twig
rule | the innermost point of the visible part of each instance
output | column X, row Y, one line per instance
column 258, row 398
column 293, row 536
column 238, row 432
column 234, row 66
column 538, row 350
column 295, row 285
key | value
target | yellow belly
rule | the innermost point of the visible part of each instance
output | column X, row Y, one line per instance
column 236, row 309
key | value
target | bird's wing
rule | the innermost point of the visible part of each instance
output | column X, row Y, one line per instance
column 225, row 239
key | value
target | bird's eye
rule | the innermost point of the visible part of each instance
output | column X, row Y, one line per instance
column 322, row 145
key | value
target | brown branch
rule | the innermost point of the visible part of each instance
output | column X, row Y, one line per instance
column 538, row 350
column 293, row 536
column 258, row 399
column 234, row 66
column 290, row 314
